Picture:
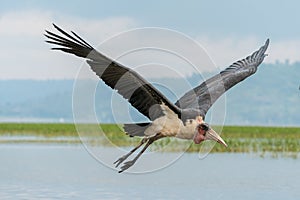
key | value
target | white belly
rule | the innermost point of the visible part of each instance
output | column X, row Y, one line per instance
column 171, row 126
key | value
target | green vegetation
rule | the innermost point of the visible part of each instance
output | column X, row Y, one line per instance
column 262, row 140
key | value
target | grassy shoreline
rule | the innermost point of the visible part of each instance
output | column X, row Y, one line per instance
column 243, row 139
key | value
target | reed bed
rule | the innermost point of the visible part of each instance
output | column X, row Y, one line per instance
column 240, row 139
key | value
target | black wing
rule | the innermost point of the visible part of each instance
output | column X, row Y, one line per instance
column 139, row 92
column 204, row 96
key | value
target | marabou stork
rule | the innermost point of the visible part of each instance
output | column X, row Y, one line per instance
column 183, row 119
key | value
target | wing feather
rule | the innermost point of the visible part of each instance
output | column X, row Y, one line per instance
column 129, row 84
column 203, row 96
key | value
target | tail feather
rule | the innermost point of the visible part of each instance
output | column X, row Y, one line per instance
column 137, row 129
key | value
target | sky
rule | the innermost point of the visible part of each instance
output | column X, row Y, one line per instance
column 225, row 30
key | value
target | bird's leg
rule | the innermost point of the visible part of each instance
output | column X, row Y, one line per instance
column 131, row 162
column 120, row 160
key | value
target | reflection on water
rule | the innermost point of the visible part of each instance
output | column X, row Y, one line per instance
column 69, row 172
column 37, row 139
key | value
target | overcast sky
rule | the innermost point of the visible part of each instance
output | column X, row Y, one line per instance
column 226, row 30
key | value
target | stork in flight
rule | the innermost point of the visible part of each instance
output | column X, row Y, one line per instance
column 183, row 119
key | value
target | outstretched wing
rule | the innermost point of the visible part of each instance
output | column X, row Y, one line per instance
column 139, row 92
column 204, row 96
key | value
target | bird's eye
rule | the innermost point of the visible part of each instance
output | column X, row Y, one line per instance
column 203, row 127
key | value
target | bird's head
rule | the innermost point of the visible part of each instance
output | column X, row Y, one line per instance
column 204, row 132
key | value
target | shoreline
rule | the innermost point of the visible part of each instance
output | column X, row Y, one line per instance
column 240, row 139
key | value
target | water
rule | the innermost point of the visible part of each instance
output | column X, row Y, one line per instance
column 46, row 171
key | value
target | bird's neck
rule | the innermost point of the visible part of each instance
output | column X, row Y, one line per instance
column 187, row 130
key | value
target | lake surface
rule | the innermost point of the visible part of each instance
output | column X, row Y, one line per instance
column 43, row 171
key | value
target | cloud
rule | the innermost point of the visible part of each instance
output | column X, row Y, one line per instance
column 285, row 50
column 25, row 55
column 225, row 51
column 24, row 23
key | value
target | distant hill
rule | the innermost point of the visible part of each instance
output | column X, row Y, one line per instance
column 270, row 97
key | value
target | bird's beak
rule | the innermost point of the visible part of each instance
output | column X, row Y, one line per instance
column 212, row 135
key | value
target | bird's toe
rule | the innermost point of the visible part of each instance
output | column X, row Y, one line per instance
column 127, row 165
column 120, row 160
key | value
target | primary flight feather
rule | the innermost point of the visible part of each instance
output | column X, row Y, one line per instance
column 183, row 119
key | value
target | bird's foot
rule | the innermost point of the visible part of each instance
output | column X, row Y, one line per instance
column 120, row 160
column 127, row 165
column 123, row 158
